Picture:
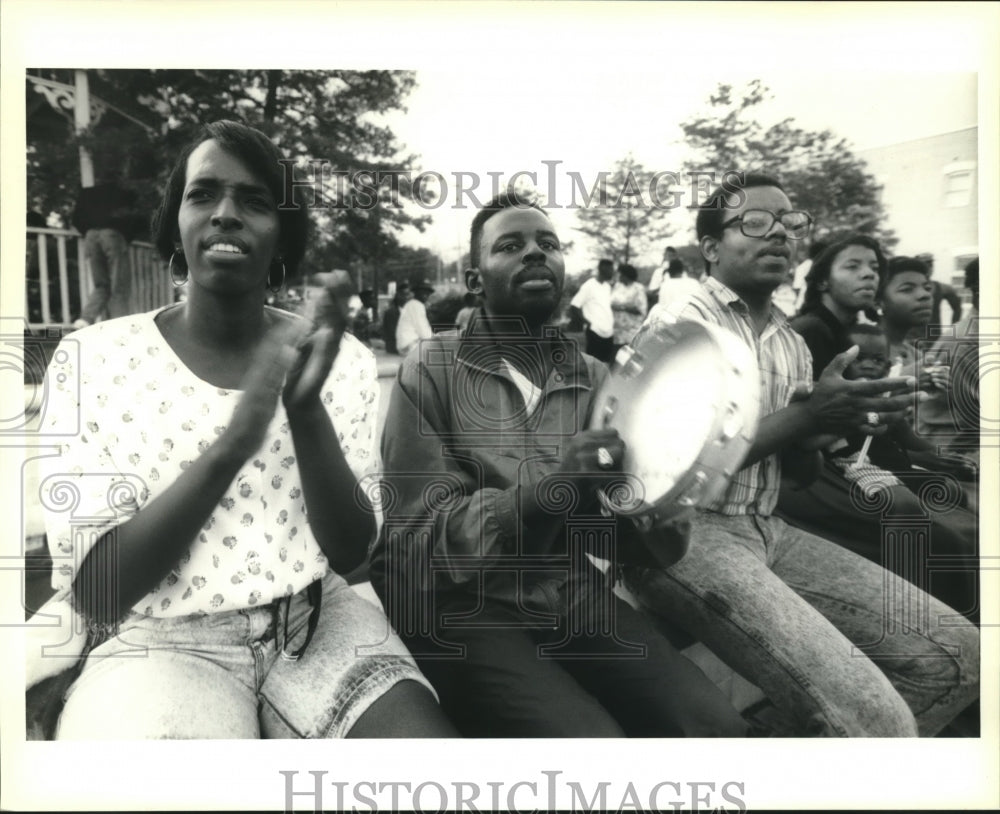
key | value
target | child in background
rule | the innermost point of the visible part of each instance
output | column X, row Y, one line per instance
column 906, row 299
column 888, row 453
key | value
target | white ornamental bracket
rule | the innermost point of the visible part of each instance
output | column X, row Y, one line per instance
column 65, row 98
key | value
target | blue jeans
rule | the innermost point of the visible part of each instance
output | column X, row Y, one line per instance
column 222, row 675
column 838, row 643
column 107, row 253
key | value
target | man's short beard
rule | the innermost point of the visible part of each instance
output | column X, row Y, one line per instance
column 539, row 315
column 532, row 316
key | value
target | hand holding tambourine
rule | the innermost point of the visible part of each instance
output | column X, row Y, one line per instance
column 685, row 401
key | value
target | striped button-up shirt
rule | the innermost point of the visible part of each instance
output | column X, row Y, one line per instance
column 784, row 361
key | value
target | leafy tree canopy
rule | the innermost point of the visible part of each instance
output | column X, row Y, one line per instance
column 332, row 122
column 819, row 170
column 627, row 211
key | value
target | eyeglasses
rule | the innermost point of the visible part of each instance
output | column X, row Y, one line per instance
column 758, row 222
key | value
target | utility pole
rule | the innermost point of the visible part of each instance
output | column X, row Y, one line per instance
column 81, row 121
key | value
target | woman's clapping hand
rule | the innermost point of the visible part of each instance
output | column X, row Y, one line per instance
column 292, row 360
column 275, row 357
column 319, row 348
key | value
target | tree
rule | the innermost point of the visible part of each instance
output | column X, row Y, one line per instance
column 329, row 121
column 631, row 212
column 818, row 169
column 407, row 263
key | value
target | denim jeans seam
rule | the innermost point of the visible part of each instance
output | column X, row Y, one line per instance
column 953, row 659
column 800, row 679
column 345, row 703
column 262, row 700
column 259, row 667
column 945, row 689
column 389, row 674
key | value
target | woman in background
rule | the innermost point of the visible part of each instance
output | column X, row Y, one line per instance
column 842, row 282
column 628, row 305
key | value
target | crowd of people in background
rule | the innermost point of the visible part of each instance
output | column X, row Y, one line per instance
column 607, row 309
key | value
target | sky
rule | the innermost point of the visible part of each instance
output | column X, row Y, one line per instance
column 587, row 118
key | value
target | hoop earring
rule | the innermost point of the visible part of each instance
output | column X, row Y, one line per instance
column 174, row 278
column 274, row 289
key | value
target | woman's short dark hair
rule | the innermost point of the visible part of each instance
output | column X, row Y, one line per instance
column 263, row 159
column 628, row 271
column 819, row 271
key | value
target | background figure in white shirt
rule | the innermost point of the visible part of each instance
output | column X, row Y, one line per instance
column 784, row 295
column 670, row 262
column 677, row 285
column 655, row 281
column 593, row 304
column 413, row 325
column 802, row 269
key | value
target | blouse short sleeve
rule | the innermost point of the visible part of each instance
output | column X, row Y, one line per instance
column 84, row 490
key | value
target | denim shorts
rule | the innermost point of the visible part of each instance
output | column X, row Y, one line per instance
column 224, row 675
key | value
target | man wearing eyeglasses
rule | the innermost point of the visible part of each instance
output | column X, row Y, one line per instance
column 819, row 629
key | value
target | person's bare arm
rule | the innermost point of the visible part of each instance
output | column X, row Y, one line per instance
column 340, row 515
column 950, row 296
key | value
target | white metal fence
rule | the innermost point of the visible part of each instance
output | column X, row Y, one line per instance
column 58, row 278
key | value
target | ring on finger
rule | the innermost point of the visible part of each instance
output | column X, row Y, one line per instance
column 873, row 418
column 605, row 460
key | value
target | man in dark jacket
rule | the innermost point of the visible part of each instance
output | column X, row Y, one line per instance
column 483, row 563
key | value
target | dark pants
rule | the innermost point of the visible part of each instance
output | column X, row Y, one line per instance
column 600, row 347
column 507, row 685
column 107, row 256
column 918, row 531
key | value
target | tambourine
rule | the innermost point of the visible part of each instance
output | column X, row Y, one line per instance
column 686, row 401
